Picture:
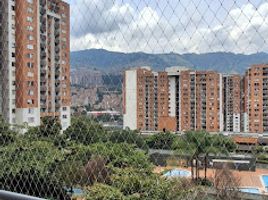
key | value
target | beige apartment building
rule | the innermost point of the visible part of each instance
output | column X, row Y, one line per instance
column 181, row 99
column 35, row 42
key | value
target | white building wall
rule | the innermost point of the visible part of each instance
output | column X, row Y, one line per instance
column 7, row 73
column 28, row 116
column 130, row 116
column 172, row 96
column 221, row 104
column 65, row 117
column 245, row 122
column 236, row 123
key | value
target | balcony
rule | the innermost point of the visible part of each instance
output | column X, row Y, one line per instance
column 43, row 28
column 57, row 25
column 43, row 98
column 43, row 55
column 43, row 46
column 57, row 58
column 43, row 62
column 57, row 33
column 57, row 73
column 43, row 87
column 42, row 10
column 42, row 2
column 57, row 49
column 43, row 79
column 43, row 38
column 57, row 98
column 57, row 88
column 43, row 106
column 57, row 42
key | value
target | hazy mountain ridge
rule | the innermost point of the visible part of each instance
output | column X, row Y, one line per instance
column 108, row 61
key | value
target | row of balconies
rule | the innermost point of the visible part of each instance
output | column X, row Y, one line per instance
column 42, row 3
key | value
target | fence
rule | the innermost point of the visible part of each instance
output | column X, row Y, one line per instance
column 125, row 100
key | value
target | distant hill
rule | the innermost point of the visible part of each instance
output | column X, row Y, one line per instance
column 108, row 61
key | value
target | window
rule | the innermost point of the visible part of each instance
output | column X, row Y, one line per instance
column 29, row 19
column 30, row 37
column 29, row 28
column 30, row 92
column 31, row 111
column 30, row 83
column 30, row 74
column 29, row 55
column 29, row 10
column 64, row 109
column 64, row 116
column 30, row 101
column 30, row 46
column 30, row 65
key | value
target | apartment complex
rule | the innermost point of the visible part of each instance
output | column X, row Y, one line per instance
column 255, row 99
column 181, row 99
column 231, row 102
column 36, row 52
column 149, row 105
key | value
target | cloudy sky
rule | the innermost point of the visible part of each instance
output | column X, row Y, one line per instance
column 162, row 26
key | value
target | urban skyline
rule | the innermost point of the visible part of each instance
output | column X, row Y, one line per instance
column 181, row 99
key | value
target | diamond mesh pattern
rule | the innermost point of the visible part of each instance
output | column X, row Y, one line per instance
column 81, row 118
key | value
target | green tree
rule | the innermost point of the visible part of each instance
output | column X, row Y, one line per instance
column 7, row 136
column 161, row 141
column 85, row 131
column 121, row 155
column 38, row 155
column 138, row 184
column 127, row 136
column 102, row 191
column 50, row 128
column 197, row 144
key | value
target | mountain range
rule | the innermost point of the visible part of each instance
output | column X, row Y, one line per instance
column 108, row 61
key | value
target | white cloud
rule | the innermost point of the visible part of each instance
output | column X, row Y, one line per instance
column 120, row 27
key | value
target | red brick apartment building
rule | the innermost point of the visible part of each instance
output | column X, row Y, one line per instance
column 35, row 62
column 181, row 99
column 255, row 99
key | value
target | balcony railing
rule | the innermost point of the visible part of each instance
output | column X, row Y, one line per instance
column 5, row 195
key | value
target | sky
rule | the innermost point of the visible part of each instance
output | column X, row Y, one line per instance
column 163, row 26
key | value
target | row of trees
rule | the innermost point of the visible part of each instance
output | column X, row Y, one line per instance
column 107, row 164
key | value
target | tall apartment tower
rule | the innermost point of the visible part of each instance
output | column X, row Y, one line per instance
column 231, row 102
column 195, row 99
column 7, row 60
column 41, row 60
column 178, row 99
column 145, row 97
column 255, row 99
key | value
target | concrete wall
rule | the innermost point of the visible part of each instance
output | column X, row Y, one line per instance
column 130, row 116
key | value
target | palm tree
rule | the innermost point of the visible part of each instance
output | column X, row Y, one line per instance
column 197, row 144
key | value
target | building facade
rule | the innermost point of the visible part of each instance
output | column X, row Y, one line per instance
column 255, row 99
column 181, row 99
column 7, row 60
column 232, row 103
column 178, row 99
column 145, row 99
column 36, row 61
